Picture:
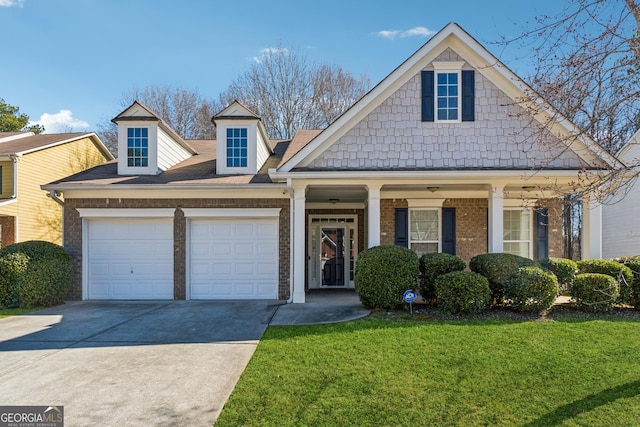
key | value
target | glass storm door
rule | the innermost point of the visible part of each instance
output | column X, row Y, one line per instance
column 332, row 250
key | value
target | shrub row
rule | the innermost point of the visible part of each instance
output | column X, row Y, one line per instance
column 383, row 273
column 34, row 273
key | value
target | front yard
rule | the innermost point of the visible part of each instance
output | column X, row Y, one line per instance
column 567, row 370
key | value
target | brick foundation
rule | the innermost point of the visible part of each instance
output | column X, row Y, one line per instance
column 8, row 227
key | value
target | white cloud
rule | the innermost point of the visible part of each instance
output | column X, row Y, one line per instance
column 10, row 3
column 60, row 122
column 267, row 51
column 412, row 32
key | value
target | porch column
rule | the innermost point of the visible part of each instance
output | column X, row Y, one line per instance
column 496, row 213
column 373, row 215
column 298, row 245
column 591, row 228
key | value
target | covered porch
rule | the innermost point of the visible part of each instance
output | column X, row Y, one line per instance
column 333, row 219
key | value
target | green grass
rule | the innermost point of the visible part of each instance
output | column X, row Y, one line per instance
column 378, row 372
column 6, row 312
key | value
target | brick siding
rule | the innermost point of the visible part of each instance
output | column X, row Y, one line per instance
column 8, row 227
column 73, row 233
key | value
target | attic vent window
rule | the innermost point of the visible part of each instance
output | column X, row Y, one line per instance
column 137, row 147
column 237, row 147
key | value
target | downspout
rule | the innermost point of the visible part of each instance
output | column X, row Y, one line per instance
column 14, row 157
column 291, row 239
column 55, row 196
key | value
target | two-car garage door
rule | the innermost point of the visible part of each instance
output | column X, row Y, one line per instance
column 226, row 258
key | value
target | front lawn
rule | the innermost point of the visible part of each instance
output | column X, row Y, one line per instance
column 6, row 312
column 568, row 371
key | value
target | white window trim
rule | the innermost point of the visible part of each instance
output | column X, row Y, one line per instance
column 450, row 67
column 439, row 241
column 152, row 147
column 531, row 219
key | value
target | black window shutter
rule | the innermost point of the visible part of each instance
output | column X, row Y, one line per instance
column 541, row 230
column 449, row 230
column 428, row 101
column 402, row 227
column 468, row 95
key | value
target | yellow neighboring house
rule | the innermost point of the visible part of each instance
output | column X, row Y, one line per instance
column 28, row 161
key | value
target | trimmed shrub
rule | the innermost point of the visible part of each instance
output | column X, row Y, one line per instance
column 633, row 262
column 463, row 292
column 564, row 269
column 532, row 289
column 383, row 273
column 498, row 268
column 11, row 267
column 622, row 274
column 434, row 265
column 46, row 280
column 595, row 291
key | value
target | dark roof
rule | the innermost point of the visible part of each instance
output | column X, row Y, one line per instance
column 35, row 142
column 197, row 169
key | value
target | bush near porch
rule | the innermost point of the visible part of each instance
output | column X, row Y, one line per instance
column 34, row 273
column 515, row 282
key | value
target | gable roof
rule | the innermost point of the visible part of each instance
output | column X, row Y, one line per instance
column 140, row 112
column 30, row 142
column 238, row 111
column 454, row 37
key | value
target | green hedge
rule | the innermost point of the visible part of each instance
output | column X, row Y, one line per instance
column 498, row 268
column 383, row 274
column 595, row 291
column 633, row 263
column 434, row 265
column 463, row 292
column 43, row 273
column 622, row 274
column 11, row 267
column 564, row 269
column 532, row 289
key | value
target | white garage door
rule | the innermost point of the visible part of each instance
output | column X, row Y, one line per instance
column 130, row 258
column 233, row 258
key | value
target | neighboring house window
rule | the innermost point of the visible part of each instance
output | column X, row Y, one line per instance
column 447, row 96
column 138, row 147
column 237, row 147
column 424, row 230
column 517, row 232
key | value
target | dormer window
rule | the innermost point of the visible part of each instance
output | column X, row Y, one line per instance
column 448, row 93
column 138, row 147
column 237, row 147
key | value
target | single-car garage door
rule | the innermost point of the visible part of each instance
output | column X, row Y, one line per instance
column 232, row 258
column 130, row 258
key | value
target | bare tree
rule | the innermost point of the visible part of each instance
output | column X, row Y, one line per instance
column 289, row 93
column 586, row 64
column 186, row 111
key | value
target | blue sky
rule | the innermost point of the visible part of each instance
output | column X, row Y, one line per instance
column 67, row 63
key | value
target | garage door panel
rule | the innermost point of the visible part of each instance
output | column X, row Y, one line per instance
column 130, row 259
column 242, row 258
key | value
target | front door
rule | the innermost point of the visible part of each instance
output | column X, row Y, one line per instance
column 332, row 250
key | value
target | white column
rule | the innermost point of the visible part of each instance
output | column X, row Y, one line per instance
column 373, row 218
column 298, row 245
column 496, row 225
column 591, row 229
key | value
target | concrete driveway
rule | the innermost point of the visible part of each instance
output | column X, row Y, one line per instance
column 130, row 363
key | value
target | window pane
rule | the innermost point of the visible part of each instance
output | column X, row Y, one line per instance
column 453, row 78
column 424, row 248
column 442, row 114
column 424, row 225
column 442, row 78
column 517, row 248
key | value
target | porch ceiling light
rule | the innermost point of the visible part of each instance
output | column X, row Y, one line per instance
column 433, row 189
column 528, row 187
column 334, row 201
